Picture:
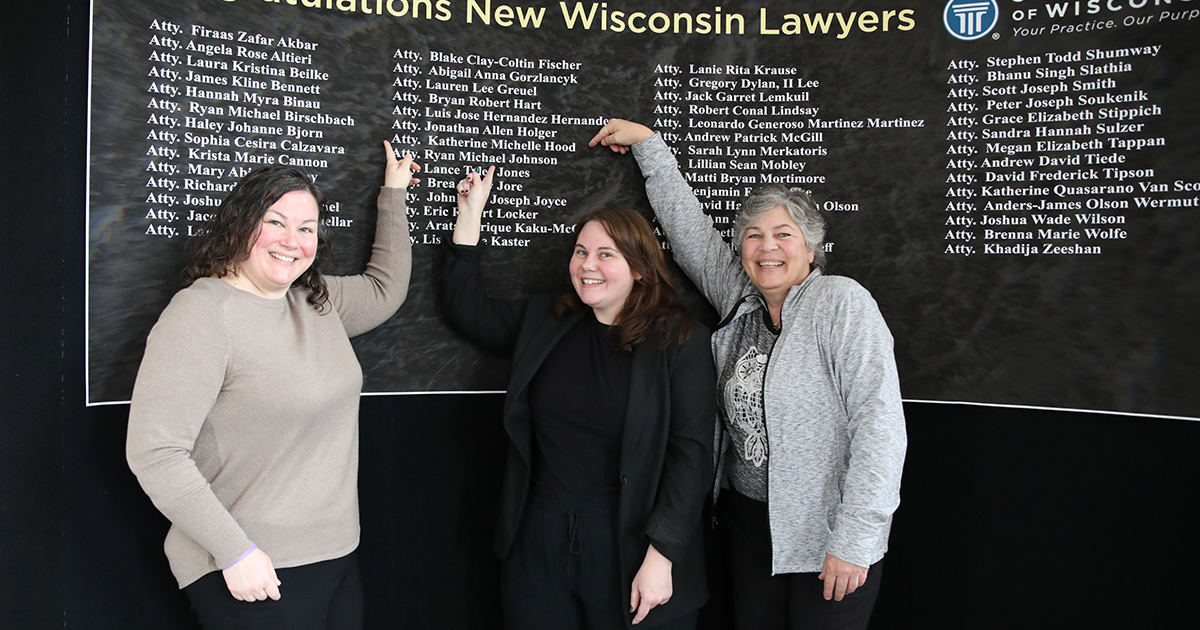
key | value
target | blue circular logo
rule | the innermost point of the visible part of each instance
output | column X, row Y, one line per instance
column 969, row 20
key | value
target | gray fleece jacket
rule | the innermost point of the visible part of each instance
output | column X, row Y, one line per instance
column 834, row 417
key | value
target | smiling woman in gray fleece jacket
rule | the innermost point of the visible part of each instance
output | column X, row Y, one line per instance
column 813, row 436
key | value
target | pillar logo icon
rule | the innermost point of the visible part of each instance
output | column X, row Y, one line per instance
column 969, row 20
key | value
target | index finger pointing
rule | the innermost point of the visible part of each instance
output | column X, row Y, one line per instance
column 599, row 137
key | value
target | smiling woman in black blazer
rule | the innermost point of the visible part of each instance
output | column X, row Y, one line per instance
column 610, row 415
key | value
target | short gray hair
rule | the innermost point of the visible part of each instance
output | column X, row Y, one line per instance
column 799, row 206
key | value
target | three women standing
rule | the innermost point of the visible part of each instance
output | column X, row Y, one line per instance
column 243, row 428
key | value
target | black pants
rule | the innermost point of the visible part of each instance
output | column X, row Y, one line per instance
column 320, row 596
column 789, row 601
column 563, row 573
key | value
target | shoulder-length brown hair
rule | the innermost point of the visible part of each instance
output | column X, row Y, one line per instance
column 652, row 308
column 224, row 241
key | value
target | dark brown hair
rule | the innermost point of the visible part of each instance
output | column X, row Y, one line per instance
column 652, row 307
column 225, row 240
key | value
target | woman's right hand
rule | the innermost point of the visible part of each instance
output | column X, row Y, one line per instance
column 619, row 135
column 473, row 192
column 652, row 586
column 252, row 578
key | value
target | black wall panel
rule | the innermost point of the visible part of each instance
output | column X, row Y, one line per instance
column 1009, row 518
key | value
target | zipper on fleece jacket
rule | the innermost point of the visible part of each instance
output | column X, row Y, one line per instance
column 767, row 429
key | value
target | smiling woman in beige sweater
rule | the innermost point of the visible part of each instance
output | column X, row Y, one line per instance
column 243, row 427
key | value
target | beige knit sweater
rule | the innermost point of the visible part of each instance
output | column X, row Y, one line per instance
column 243, row 427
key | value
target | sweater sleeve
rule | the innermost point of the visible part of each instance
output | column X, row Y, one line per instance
column 491, row 322
column 696, row 245
column 687, row 467
column 182, row 372
column 366, row 300
column 866, row 378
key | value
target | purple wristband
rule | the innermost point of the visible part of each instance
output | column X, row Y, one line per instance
column 243, row 556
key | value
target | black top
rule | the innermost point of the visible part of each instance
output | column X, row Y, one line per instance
column 577, row 403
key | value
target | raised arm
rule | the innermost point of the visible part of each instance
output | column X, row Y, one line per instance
column 490, row 322
column 473, row 192
column 366, row 300
column 695, row 244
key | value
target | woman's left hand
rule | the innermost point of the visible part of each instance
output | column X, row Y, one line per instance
column 841, row 577
column 399, row 172
column 652, row 584
column 473, row 191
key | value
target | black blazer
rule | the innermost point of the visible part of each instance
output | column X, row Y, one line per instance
column 666, row 449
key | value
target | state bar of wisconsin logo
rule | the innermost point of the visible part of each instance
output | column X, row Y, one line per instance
column 969, row 20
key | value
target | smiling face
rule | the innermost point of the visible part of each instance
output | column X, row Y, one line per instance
column 775, row 255
column 600, row 273
column 284, row 248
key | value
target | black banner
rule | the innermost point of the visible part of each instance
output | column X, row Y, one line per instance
column 1016, row 182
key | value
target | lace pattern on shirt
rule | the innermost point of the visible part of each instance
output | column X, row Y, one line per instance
column 744, row 405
